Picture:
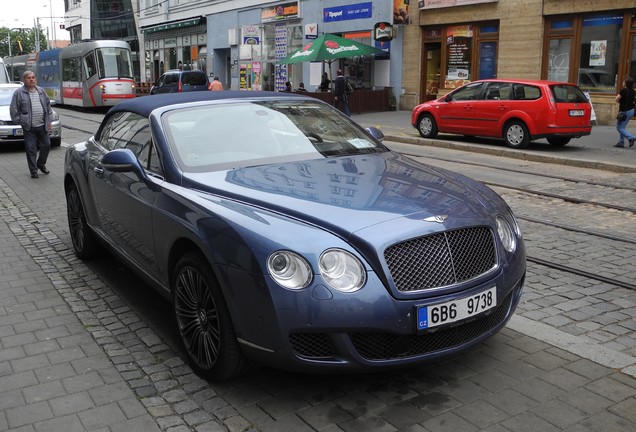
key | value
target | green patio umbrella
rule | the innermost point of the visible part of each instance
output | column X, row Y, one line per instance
column 329, row 47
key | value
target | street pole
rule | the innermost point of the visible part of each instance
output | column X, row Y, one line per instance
column 37, row 34
column 52, row 28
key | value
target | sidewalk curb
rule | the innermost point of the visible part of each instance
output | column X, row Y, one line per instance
column 514, row 154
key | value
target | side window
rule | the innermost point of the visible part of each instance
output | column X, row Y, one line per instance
column 121, row 129
column 498, row 91
column 526, row 92
column 132, row 131
column 470, row 92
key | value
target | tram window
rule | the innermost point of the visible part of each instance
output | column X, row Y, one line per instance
column 90, row 68
column 70, row 69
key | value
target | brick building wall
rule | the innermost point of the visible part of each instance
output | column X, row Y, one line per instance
column 521, row 37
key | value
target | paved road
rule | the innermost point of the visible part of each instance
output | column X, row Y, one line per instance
column 75, row 355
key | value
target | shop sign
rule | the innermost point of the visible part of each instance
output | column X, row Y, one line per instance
column 311, row 31
column 280, row 12
column 432, row 4
column 348, row 12
column 383, row 31
column 173, row 25
column 170, row 43
column 251, row 35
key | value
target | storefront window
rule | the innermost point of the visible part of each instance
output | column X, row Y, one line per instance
column 559, row 59
column 459, row 42
column 600, row 51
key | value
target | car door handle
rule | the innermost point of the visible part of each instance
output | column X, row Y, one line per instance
column 98, row 170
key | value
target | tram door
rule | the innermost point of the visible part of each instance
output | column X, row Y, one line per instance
column 431, row 70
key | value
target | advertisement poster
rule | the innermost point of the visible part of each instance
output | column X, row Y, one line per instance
column 401, row 12
column 597, row 52
column 243, row 77
column 459, row 51
column 256, row 77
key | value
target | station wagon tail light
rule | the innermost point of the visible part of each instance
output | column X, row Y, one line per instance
column 289, row 270
column 341, row 270
column 577, row 113
column 506, row 234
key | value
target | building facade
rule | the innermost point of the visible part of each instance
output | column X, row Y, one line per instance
column 589, row 42
column 242, row 42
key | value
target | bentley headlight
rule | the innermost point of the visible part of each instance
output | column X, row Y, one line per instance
column 506, row 234
column 289, row 269
column 341, row 270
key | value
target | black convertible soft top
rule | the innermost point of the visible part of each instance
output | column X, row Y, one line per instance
column 144, row 105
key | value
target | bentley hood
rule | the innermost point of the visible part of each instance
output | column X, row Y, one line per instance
column 349, row 194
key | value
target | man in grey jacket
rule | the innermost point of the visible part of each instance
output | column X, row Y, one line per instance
column 31, row 109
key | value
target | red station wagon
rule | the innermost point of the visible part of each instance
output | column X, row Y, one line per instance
column 519, row 111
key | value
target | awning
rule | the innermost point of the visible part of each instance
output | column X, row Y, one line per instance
column 173, row 25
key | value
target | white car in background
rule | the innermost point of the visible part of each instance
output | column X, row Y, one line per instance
column 11, row 132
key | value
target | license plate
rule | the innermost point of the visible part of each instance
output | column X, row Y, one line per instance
column 18, row 132
column 577, row 113
column 456, row 310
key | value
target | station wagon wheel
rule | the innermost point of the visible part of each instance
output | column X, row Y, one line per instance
column 427, row 126
column 516, row 134
column 203, row 320
column 84, row 242
column 558, row 141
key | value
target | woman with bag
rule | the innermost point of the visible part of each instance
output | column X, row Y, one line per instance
column 625, row 98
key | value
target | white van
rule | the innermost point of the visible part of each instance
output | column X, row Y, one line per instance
column 4, row 76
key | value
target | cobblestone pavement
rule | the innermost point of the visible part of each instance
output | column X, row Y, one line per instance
column 74, row 355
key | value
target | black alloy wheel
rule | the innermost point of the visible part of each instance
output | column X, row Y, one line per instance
column 204, row 322
column 85, row 244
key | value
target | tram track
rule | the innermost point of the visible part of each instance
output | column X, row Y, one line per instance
column 527, row 172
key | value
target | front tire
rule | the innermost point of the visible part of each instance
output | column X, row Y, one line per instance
column 426, row 126
column 85, row 244
column 516, row 134
column 56, row 142
column 204, row 322
column 558, row 141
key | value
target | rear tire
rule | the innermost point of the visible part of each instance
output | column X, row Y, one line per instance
column 426, row 126
column 558, row 141
column 204, row 322
column 516, row 134
column 85, row 243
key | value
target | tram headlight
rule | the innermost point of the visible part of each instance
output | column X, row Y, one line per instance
column 102, row 88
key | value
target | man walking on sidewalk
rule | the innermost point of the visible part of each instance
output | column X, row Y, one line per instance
column 31, row 109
